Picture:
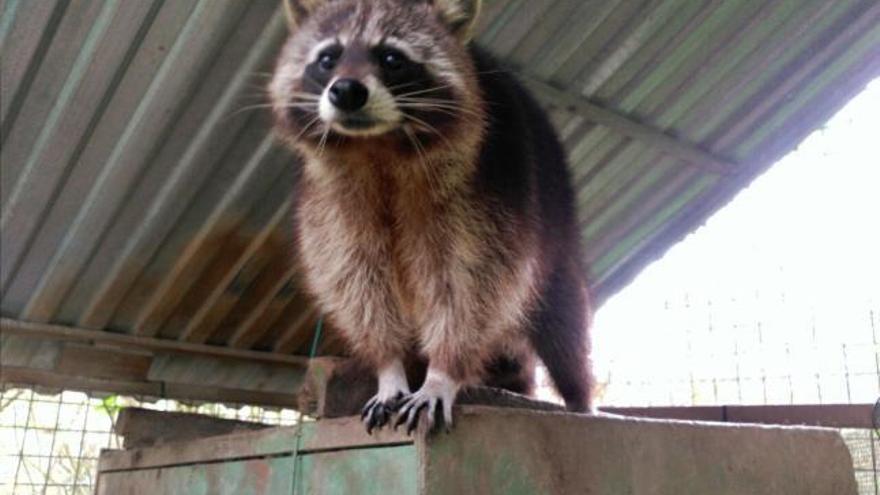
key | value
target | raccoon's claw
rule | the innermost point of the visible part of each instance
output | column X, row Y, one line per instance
column 437, row 393
column 377, row 413
column 410, row 413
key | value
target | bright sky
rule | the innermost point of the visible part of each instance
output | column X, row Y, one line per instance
column 784, row 282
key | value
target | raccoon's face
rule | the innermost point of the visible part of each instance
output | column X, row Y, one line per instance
column 361, row 69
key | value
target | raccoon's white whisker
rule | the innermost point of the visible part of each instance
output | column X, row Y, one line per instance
column 414, row 83
column 437, row 103
column 449, row 109
column 496, row 71
column 307, row 127
column 428, row 127
column 438, row 110
column 420, row 150
column 323, row 143
column 305, row 96
column 401, row 86
column 245, row 109
column 430, row 100
column 424, row 91
column 303, row 106
column 289, row 105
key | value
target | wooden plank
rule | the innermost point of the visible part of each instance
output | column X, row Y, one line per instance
column 96, row 362
column 628, row 127
column 826, row 415
column 8, row 325
column 226, row 373
column 66, row 381
column 18, row 350
column 147, row 428
column 193, row 391
column 344, row 433
column 17, row 375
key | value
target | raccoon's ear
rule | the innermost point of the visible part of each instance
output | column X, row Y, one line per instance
column 459, row 15
column 298, row 10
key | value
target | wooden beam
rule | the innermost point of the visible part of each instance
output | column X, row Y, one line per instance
column 111, row 363
column 17, row 327
column 147, row 428
column 65, row 381
column 178, row 391
column 648, row 135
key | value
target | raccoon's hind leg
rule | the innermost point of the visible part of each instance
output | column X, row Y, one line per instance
column 514, row 372
column 393, row 386
column 560, row 336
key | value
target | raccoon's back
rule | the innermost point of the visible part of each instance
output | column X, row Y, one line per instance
column 523, row 164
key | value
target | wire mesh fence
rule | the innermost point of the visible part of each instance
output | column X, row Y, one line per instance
column 695, row 353
column 49, row 443
column 758, row 348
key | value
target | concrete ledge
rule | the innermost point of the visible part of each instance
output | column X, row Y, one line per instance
column 497, row 451
column 507, row 451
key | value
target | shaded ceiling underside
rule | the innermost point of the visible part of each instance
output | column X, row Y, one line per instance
column 144, row 198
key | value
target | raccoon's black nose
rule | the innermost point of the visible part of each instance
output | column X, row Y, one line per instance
column 349, row 94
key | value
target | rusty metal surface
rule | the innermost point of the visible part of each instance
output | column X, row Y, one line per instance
column 141, row 194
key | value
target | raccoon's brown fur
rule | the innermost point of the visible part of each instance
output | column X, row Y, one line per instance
column 434, row 216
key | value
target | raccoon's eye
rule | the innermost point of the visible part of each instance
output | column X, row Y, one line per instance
column 393, row 60
column 327, row 59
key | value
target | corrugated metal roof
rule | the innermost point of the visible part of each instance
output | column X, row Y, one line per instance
column 143, row 194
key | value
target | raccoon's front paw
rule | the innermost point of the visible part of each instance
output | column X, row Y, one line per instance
column 437, row 393
column 378, row 411
column 392, row 388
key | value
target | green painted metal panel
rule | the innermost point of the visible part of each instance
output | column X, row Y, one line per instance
column 368, row 471
column 253, row 477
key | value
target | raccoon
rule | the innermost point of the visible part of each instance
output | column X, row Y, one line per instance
column 434, row 215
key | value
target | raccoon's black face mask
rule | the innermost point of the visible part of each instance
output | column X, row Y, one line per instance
column 361, row 69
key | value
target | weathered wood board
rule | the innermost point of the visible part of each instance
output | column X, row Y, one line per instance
column 494, row 451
